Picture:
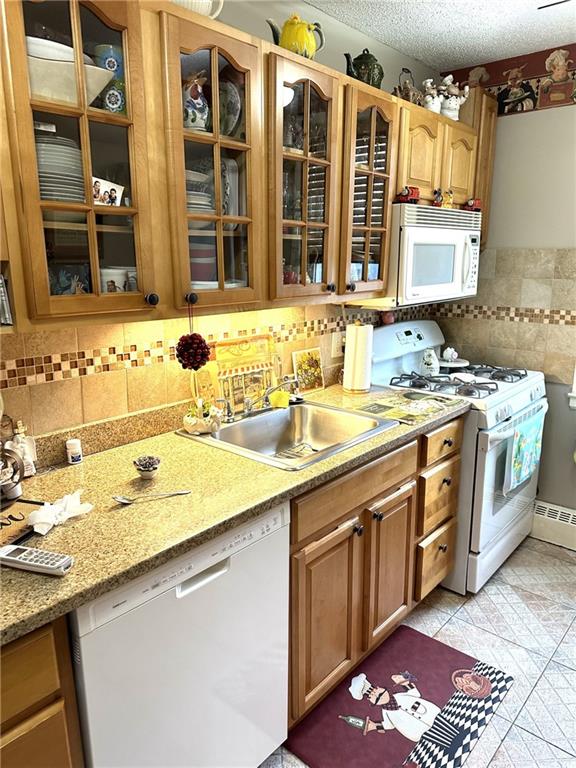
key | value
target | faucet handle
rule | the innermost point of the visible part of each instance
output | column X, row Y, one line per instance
column 228, row 412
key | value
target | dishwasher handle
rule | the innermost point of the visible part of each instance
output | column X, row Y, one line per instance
column 202, row 579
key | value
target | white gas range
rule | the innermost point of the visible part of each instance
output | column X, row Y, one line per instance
column 492, row 522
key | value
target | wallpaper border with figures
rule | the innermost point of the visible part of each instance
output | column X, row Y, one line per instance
column 540, row 80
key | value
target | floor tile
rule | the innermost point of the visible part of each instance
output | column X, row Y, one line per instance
column 488, row 743
column 566, row 652
column 274, row 761
column 550, row 711
column 427, row 619
column 523, row 617
column 291, row 761
column 521, row 749
column 562, row 553
column 525, row 666
column 444, row 600
column 551, row 577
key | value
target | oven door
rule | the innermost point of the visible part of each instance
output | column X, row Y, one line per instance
column 435, row 264
column 492, row 510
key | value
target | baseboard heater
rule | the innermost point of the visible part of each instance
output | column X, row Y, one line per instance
column 554, row 524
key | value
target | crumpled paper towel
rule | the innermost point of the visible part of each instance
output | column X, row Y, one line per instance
column 43, row 519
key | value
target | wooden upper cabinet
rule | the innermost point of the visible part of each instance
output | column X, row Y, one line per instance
column 326, row 605
column 214, row 139
column 389, row 562
column 420, row 152
column 459, row 164
column 369, row 186
column 81, row 149
column 481, row 112
column 304, row 154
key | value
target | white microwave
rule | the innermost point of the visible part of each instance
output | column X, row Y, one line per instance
column 434, row 254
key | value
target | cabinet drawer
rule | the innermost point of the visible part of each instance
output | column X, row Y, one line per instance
column 438, row 494
column 442, row 442
column 41, row 741
column 435, row 558
column 325, row 505
column 29, row 672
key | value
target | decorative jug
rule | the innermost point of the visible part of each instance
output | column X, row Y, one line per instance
column 298, row 36
column 429, row 365
column 365, row 67
column 202, row 6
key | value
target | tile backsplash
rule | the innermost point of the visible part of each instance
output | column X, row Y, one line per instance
column 55, row 380
column 524, row 314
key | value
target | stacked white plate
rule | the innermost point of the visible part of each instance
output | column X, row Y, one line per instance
column 199, row 202
column 59, row 168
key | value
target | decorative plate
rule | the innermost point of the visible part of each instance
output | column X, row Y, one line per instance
column 230, row 107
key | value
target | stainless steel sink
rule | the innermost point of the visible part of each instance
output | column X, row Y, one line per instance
column 295, row 437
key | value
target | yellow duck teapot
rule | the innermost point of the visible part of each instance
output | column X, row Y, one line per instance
column 298, row 36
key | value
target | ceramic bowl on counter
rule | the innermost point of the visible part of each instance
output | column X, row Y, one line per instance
column 147, row 466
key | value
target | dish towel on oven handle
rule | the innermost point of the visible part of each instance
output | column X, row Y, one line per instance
column 524, row 451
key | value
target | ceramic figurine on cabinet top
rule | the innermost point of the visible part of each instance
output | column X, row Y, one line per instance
column 196, row 109
column 432, row 100
column 205, row 7
column 406, row 89
column 297, row 36
column 452, row 97
column 365, row 67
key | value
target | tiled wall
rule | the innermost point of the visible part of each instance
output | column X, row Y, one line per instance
column 55, row 380
column 524, row 314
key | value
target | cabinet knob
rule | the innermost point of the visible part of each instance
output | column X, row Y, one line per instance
column 152, row 299
column 359, row 530
column 447, row 481
column 191, row 298
column 378, row 516
column 351, row 287
column 449, row 442
column 443, row 547
column 331, row 287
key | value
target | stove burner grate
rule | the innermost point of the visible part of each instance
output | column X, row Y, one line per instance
column 445, row 383
column 496, row 373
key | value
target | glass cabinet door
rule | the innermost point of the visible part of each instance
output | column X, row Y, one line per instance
column 80, row 119
column 369, row 182
column 215, row 144
column 304, row 175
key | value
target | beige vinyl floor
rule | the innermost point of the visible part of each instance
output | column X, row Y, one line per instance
column 524, row 622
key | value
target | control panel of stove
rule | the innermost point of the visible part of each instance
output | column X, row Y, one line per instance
column 504, row 412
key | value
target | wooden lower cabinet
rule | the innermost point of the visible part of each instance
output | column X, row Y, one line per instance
column 365, row 548
column 388, row 566
column 326, row 605
column 435, row 558
column 39, row 716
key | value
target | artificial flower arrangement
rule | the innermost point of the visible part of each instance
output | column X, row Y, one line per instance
column 202, row 418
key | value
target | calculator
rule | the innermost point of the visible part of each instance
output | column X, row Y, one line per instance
column 37, row 560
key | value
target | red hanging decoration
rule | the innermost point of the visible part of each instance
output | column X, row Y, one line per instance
column 192, row 350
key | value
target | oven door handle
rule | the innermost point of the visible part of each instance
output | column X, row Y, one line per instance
column 499, row 437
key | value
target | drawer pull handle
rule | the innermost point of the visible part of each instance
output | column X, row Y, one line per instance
column 449, row 442
column 447, row 481
column 378, row 516
column 359, row 530
column 443, row 547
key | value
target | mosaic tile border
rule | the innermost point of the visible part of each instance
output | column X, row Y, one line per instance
column 512, row 314
column 24, row 371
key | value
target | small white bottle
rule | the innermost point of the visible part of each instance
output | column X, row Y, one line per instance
column 74, row 450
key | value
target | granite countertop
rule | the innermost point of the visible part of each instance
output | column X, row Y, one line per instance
column 113, row 544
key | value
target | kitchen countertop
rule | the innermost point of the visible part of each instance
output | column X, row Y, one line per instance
column 113, row 544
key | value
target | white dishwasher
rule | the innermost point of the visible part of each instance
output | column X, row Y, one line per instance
column 188, row 665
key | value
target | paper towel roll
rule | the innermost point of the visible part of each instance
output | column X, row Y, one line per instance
column 358, row 358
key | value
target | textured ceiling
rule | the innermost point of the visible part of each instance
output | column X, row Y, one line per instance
column 448, row 34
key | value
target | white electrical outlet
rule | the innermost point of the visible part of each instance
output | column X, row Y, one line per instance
column 337, row 341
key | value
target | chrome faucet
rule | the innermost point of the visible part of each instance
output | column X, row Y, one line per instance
column 249, row 403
